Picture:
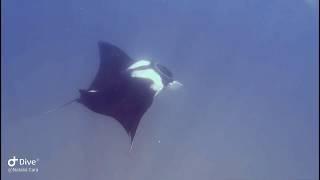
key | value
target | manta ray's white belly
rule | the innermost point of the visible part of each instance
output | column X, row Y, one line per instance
column 139, row 63
column 148, row 73
column 152, row 75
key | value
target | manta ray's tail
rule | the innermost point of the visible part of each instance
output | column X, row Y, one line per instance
column 61, row 106
column 55, row 109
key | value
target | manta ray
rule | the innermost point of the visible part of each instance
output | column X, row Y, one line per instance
column 124, row 89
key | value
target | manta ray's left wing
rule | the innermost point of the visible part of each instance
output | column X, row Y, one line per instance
column 113, row 61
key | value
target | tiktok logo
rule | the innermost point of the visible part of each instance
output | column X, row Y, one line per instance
column 22, row 165
column 12, row 161
column 22, row 161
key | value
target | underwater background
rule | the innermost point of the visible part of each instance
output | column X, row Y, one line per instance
column 248, row 109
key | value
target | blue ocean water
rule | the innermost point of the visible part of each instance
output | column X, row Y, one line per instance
column 248, row 109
